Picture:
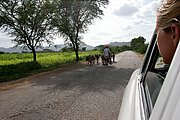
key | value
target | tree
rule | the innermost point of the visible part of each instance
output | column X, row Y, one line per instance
column 73, row 17
column 138, row 44
column 28, row 21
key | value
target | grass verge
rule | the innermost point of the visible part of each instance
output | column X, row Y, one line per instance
column 15, row 66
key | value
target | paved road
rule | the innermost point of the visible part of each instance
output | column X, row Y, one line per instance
column 79, row 93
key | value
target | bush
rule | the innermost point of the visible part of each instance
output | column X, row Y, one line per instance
column 1, row 52
column 138, row 44
column 9, row 72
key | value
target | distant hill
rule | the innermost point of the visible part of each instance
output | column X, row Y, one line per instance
column 119, row 44
column 57, row 47
column 47, row 48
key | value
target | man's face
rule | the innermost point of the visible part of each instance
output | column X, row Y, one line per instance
column 165, row 45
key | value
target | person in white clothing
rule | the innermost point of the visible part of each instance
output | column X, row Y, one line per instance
column 107, row 54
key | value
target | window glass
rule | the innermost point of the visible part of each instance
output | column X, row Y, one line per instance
column 159, row 63
column 155, row 78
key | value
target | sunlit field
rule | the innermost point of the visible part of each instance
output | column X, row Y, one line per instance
column 13, row 66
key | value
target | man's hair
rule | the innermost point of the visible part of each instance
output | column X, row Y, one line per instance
column 169, row 9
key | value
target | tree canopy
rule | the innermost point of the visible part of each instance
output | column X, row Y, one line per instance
column 28, row 21
column 31, row 22
column 138, row 44
column 73, row 17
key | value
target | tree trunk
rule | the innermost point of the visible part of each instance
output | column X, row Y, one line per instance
column 77, row 55
column 76, row 50
column 75, row 47
column 34, row 54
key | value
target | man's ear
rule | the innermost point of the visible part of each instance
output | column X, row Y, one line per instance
column 175, row 34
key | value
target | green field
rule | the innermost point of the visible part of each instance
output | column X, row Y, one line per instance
column 14, row 66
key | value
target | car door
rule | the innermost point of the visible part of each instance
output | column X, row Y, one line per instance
column 167, row 105
column 153, row 73
column 139, row 97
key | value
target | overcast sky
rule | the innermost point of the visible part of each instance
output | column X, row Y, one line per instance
column 123, row 20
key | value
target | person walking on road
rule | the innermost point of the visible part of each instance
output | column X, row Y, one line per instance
column 113, row 56
column 107, row 54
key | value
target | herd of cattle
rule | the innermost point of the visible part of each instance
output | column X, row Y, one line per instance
column 92, row 59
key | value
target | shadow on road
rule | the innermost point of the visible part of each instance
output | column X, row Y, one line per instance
column 89, row 79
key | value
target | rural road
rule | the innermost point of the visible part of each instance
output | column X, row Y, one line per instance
column 74, row 93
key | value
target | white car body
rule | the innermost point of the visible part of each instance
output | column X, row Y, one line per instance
column 136, row 103
column 167, row 106
column 131, row 103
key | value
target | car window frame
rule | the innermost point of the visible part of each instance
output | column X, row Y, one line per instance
column 150, row 57
column 148, row 64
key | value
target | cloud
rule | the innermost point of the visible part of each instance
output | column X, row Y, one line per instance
column 126, row 10
column 122, row 21
column 147, row 14
column 128, row 27
column 5, row 40
column 103, row 34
